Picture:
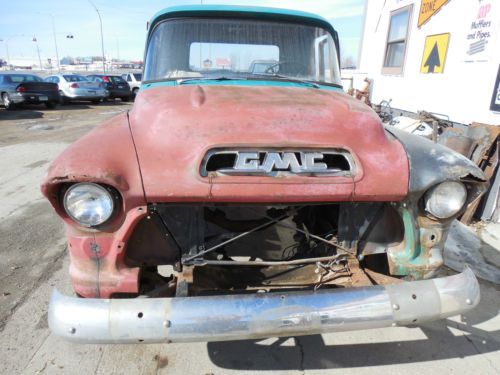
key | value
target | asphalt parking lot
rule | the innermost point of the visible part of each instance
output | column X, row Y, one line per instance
column 33, row 260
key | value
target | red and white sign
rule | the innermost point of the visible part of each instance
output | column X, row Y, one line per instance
column 223, row 62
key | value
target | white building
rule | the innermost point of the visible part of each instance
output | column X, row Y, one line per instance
column 440, row 56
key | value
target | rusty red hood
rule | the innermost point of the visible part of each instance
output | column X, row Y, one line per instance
column 174, row 127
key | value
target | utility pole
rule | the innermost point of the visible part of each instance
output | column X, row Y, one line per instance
column 6, row 40
column 102, row 37
column 38, row 51
column 7, row 48
column 55, row 42
column 117, row 48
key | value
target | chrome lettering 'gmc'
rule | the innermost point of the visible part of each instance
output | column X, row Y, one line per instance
column 273, row 163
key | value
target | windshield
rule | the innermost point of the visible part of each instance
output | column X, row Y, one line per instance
column 116, row 79
column 74, row 78
column 137, row 76
column 17, row 78
column 234, row 49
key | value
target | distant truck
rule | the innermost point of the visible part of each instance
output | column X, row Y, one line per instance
column 134, row 81
column 236, row 203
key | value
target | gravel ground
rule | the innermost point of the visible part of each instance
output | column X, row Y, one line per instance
column 33, row 260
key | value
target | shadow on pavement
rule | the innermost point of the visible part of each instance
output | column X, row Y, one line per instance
column 19, row 114
column 84, row 105
column 445, row 339
column 28, row 112
column 71, row 106
column 111, row 102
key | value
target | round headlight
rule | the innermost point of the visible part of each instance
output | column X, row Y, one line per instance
column 88, row 204
column 446, row 199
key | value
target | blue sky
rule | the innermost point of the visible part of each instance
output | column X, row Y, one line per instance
column 124, row 25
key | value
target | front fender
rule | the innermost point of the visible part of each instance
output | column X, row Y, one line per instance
column 420, row 254
column 105, row 155
column 432, row 163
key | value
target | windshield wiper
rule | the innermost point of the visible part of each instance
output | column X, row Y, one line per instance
column 182, row 81
column 187, row 80
column 294, row 80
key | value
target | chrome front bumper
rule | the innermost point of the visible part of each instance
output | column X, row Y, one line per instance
column 235, row 317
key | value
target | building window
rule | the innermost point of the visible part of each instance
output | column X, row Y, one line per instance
column 397, row 39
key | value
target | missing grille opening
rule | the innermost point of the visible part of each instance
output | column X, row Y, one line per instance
column 220, row 161
column 336, row 161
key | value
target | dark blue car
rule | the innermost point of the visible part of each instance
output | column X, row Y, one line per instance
column 18, row 88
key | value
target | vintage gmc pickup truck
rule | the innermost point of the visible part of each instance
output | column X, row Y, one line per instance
column 246, row 196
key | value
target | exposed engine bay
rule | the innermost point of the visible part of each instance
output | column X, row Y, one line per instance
column 233, row 249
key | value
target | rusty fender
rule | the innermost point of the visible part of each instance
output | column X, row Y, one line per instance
column 235, row 317
column 421, row 253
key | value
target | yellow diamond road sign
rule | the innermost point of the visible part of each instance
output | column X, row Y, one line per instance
column 428, row 8
column 434, row 56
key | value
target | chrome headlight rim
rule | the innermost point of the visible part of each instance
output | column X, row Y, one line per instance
column 459, row 205
column 108, row 191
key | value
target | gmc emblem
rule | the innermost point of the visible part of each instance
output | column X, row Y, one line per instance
column 275, row 163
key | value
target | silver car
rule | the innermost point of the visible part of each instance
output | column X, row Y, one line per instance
column 77, row 87
column 134, row 81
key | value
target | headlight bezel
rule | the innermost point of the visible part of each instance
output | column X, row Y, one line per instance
column 112, row 194
column 436, row 191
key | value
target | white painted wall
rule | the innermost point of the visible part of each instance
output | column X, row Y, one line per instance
column 463, row 91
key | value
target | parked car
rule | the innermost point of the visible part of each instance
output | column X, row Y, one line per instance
column 18, row 88
column 134, row 81
column 77, row 87
column 278, row 204
column 116, row 86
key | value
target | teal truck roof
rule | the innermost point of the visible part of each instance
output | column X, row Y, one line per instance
column 241, row 11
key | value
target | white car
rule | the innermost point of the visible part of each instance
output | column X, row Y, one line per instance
column 134, row 81
column 77, row 87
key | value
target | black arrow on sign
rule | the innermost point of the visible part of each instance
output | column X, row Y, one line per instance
column 433, row 59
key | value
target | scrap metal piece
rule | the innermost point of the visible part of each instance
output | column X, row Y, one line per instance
column 480, row 143
column 489, row 164
column 492, row 205
column 456, row 140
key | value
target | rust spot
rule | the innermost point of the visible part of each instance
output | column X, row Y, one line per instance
column 161, row 361
column 95, row 249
